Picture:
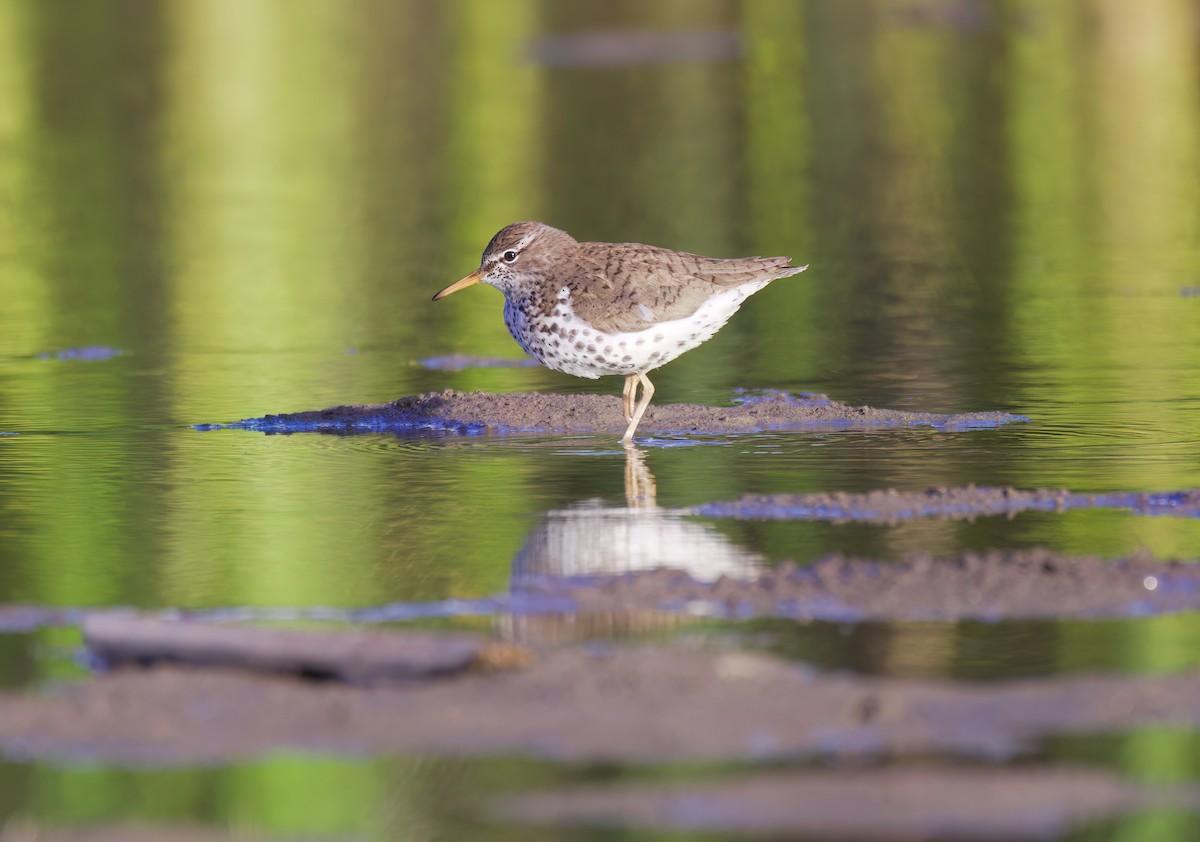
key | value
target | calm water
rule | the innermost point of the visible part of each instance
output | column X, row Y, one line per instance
column 254, row 201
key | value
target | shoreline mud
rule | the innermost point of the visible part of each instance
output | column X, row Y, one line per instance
column 869, row 757
column 649, row 702
column 476, row 413
column 185, row 689
column 990, row 586
column 892, row 505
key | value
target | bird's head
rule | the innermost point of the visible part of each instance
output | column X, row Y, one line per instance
column 521, row 254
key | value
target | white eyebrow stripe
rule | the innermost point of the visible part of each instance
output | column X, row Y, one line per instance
column 517, row 246
column 524, row 241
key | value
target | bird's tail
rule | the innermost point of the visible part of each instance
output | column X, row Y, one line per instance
column 788, row 271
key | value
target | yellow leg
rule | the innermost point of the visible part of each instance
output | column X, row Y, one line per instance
column 629, row 396
column 647, row 394
column 640, row 489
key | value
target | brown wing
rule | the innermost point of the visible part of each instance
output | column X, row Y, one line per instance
column 630, row 287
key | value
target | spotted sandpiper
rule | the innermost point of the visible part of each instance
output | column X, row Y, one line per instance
column 592, row 309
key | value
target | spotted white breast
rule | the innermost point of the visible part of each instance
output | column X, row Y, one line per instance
column 564, row 342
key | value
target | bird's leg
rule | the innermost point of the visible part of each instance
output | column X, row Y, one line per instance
column 629, row 396
column 647, row 394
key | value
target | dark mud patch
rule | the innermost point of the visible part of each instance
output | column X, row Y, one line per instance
column 461, row 362
column 961, row 16
column 480, row 412
column 25, row 618
column 988, row 585
column 650, row 703
column 361, row 657
column 618, row 48
column 965, row 503
column 85, row 353
column 991, row 585
column 930, row 802
column 16, row 830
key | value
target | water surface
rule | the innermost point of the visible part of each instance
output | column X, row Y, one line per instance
column 253, row 202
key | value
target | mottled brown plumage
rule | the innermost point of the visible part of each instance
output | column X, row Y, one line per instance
column 592, row 309
column 609, row 280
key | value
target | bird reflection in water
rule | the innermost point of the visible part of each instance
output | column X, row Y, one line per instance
column 641, row 491
column 595, row 539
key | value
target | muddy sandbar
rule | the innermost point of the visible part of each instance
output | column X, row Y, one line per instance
column 461, row 362
column 482, row 412
column 584, row 703
column 357, row 657
column 933, row 801
column 988, row 585
column 16, row 830
column 960, row 503
column 899, row 758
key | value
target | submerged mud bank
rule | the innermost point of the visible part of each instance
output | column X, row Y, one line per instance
column 16, row 830
column 25, row 618
column 991, row 585
column 963, row 503
column 935, row 801
column 358, row 658
column 461, row 362
column 899, row 758
column 481, row 412
column 582, row 703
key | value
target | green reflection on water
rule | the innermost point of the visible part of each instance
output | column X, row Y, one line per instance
column 239, row 193
column 236, row 193
column 289, row 797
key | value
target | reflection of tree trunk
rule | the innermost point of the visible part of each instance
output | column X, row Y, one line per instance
column 640, row 488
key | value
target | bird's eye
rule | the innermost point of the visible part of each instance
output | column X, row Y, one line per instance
column 510, row 256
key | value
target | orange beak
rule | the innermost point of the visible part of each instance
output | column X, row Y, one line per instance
column 469, row 281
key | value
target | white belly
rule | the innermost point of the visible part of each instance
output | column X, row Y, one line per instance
column 575, row 347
